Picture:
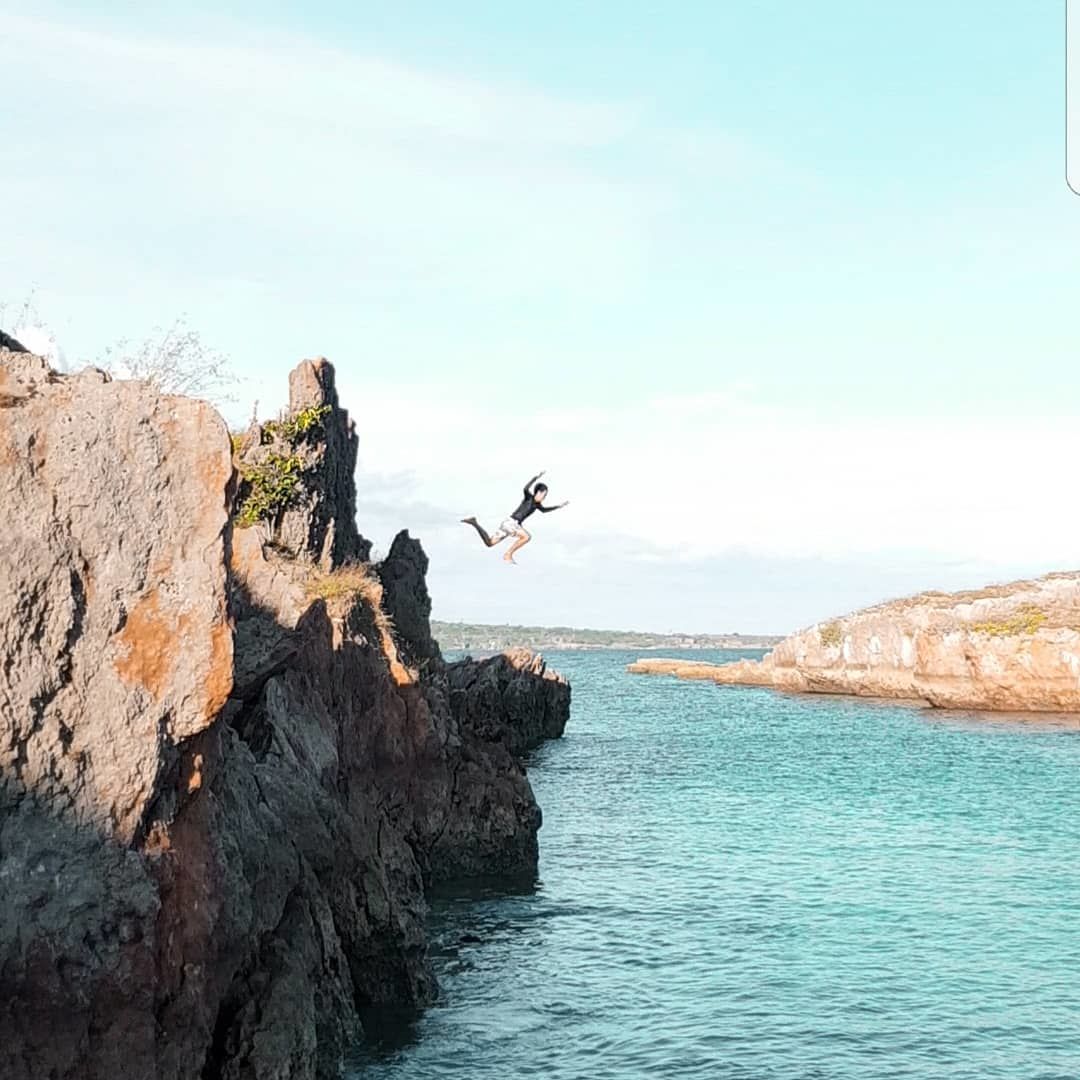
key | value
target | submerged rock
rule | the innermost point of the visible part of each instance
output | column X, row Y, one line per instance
column 1012, row 648
column 228, row 768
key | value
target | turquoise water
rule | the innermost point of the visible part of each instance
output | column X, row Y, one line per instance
column 739, row 884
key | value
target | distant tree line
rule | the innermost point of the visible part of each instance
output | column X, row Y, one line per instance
column 462, row 635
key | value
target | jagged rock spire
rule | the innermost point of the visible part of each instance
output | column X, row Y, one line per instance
column 319, row 523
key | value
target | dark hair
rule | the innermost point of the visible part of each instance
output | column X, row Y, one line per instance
column 539, row 488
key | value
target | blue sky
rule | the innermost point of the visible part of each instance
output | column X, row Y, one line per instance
column 782, row 295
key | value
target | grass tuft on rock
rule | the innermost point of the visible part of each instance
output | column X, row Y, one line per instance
column 353, row 579
column 359, row 581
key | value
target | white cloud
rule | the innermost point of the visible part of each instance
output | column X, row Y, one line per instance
column 285, row 156
column 699, row 477
column 247, row 159
column 290, row 78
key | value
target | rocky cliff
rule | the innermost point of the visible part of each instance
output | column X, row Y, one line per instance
column 1010, row 647
column 231, row 759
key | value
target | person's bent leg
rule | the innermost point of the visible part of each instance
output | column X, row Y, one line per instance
column 522, row 539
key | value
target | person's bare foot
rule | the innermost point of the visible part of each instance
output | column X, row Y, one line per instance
column 509, row 558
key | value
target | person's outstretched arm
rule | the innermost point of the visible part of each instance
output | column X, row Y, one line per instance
column 547, row 509
column 529, row 486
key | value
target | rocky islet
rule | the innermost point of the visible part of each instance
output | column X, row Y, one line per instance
column 1010, row 648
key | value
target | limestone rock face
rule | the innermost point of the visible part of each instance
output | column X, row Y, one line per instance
column 113, row 625
column 227, row 769
column 1009, row 647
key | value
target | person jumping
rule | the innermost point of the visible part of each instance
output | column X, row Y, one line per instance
column 534, row 493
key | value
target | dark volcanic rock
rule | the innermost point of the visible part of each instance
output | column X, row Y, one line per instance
column 511, row 698
column 406, row 601
column 226, row 770
column 78, row 946
column 8, row 342
column 489, row 817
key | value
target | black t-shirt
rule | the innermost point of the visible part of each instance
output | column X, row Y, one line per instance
column 529, row 505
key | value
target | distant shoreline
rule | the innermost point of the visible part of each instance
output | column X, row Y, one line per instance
column 465, row 636
column 577, row 646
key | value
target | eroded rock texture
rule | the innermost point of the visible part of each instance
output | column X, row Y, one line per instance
column 114, row 634
column 319, row 525
column 227, row 769
column 1010, row 647
column 497, row 699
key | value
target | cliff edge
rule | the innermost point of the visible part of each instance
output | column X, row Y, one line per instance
column 1009, row 647
column 232, row 758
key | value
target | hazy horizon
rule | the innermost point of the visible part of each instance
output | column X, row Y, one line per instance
column 596, row 629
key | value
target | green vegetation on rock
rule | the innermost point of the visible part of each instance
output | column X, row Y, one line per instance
column 1026, row 621
column 270, row 485
column 294, row 427
column 832, row 635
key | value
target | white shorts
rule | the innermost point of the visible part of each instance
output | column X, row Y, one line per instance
column 509, row 527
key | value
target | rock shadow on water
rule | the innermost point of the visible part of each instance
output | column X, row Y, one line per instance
column 468, row 919
column 983, row 720
column 388, row 1032
column 487, row 887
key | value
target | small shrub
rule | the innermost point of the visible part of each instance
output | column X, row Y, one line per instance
column 271, row 486
column 175, row 360
column 831, row 635
column 295, row 427
column 1026, row 621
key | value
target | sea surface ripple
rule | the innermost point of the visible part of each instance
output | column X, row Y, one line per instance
column 740, row 884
